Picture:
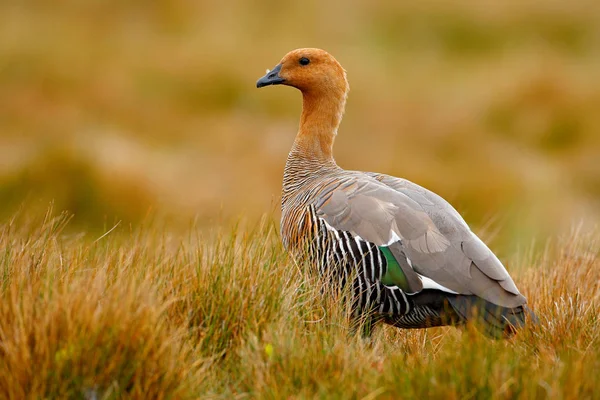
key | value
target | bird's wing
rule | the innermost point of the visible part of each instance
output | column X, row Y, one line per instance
column 418, row 224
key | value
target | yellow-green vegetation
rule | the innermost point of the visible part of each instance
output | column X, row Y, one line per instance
column 143, row 313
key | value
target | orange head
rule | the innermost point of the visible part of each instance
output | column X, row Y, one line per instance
column 312, row 71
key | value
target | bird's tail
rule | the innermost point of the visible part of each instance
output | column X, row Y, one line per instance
column 494, row 321
column 432, row 307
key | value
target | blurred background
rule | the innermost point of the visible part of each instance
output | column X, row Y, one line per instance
column 119, row 109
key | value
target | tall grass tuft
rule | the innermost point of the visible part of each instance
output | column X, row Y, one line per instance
column 147, row 313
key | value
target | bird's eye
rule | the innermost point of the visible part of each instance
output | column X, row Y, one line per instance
column 304, row 61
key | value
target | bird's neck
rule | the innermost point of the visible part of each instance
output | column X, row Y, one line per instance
column 311, row 157
column 319, row 122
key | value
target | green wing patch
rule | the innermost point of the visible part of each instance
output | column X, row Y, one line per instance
column 394, row 274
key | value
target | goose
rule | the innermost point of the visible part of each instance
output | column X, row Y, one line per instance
column 410, row 258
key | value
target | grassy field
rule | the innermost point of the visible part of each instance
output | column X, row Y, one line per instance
column 143, row 116
column 148, row 314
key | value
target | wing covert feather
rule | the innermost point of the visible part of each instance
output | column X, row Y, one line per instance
column 394, row 212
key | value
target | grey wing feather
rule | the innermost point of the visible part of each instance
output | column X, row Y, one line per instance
column 409, row 218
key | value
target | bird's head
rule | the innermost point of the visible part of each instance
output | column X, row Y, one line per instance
column 312, row 71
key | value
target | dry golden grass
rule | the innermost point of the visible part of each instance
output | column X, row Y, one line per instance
column 147, row 314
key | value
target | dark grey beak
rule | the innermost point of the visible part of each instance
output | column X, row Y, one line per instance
column 271, row 78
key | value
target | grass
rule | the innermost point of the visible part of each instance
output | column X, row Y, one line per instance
column 145, row 313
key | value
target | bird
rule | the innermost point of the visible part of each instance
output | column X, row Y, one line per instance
column 410, row 258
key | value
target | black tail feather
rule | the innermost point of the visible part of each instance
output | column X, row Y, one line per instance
column 432, row 307
column 495, row 321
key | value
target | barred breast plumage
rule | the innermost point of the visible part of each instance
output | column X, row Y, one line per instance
column 410, row 257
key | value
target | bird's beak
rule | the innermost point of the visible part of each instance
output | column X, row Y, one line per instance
column 271, row 78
